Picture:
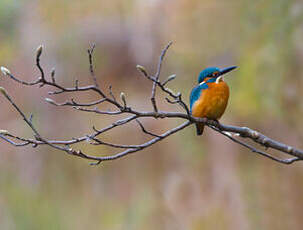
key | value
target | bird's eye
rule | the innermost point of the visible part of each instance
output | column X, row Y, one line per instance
column 215, row 74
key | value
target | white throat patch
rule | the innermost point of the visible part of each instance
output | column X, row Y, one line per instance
column 203, row 82
column 219, row 79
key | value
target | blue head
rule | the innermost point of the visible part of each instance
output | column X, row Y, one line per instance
column 213, row 72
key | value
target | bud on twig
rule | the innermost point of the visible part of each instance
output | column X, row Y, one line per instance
column 53, row 72
column 51, row 101
column 122, row 96
column 5, row 71
column 142, row 69
column 3, row 132
column 39, row 51
column 3, row 91
column 53, row 75
column 170, row 78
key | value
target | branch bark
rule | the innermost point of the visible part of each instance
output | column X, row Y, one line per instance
column 234, row 133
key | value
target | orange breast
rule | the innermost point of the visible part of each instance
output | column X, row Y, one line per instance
column 212, row 102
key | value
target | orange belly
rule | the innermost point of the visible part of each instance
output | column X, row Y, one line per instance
column 212, row 102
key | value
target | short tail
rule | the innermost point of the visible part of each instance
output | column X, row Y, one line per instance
column 200, row 128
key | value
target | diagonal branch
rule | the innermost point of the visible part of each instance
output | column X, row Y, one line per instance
column 144, row 130
column 255, row 150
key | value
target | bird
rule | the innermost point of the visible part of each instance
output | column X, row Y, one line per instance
column 210, row 97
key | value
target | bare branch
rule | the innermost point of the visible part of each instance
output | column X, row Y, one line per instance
column 14, row 143
column 144, row 130
column 157, row 75
column 74, row 103
column 170, row 78
column 53, row 72
column 95, row 138
column 27, row 121
column 122, row 96
column 111, row 93
column 91, row 67
column 23, row 82
column 38, row 54
column 259, row 138
column 284, row 161
column 143, row 146
column 96, row 110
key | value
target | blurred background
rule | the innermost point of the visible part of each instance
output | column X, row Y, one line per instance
column 184, row 182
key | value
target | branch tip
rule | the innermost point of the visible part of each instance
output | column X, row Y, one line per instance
column 122, row 96
column 3, row 132
column 170, row 78
column 142, row 69
column 5, row 71
column 51, row 101
column 53, row 72
column 95, row 163
column 3, row 91
column 39, row 51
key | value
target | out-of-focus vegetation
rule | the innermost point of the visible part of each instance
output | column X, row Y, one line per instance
column 186, row 182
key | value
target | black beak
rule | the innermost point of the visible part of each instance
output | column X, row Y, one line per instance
column 228, row 69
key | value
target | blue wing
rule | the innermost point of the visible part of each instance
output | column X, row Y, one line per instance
column 196, row 93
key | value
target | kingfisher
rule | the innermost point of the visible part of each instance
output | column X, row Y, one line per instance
column 209, row 98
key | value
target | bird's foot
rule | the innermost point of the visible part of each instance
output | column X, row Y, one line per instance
column 217, row 121
column 214, row 122
column 218, row 125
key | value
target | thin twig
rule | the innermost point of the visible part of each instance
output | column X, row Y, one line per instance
column 38, row 55
column 157, row 75
column 144, row 130
column 91, row 66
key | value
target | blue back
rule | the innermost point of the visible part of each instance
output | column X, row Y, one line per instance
column 197, row 91
column 208, row 72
